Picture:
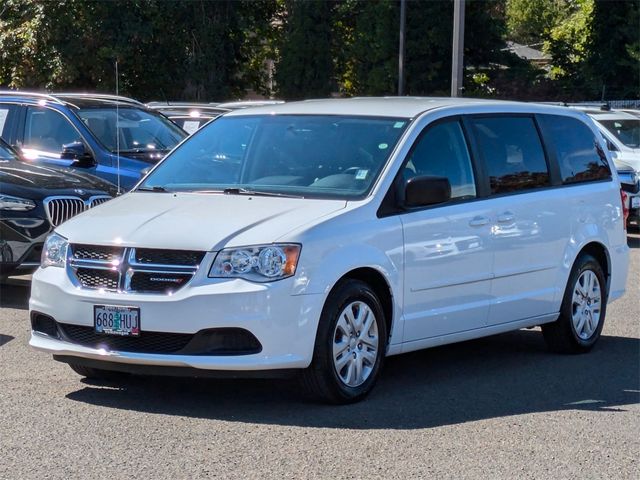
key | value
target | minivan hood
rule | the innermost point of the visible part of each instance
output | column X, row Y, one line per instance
column 192, row 221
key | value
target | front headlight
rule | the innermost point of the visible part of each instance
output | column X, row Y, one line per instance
column 54, row 252
column 7, row 202
column 260, row 263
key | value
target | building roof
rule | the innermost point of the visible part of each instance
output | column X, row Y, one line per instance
column 527, row 53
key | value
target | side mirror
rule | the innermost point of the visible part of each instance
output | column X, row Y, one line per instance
column 77, row 152
column 426, row 190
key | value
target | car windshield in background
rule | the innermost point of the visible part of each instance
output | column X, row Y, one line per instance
column 140, row 130
column 627, row 131
column 6, row 153
column 300, row 155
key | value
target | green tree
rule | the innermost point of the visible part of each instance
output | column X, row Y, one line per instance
column 179, row 50
column 531, row 21
column 613, row 56
column 305, row 64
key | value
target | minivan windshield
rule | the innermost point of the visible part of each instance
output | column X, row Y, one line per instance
column 326, row 156
column 627, row 131
column 140, row 130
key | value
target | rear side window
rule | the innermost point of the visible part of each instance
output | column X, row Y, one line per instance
column 512, row 152
column 580, row 157
column 6, row 114
column 442, row 152
column 48, row 130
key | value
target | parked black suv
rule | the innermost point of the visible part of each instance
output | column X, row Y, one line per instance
column 33, row 200
column 79, row 130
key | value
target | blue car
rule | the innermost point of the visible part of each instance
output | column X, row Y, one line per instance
column 114, row 138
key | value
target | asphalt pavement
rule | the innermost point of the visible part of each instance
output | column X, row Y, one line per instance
column 500, row 407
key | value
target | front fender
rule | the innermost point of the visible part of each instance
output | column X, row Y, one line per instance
column 378, row 245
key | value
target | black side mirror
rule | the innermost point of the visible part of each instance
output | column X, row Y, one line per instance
column 426, row 190
column 77, row 152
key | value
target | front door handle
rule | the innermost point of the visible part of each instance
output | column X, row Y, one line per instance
column 478, row 221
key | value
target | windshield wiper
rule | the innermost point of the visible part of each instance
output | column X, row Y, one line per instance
column 155, row 188
column 257, row 193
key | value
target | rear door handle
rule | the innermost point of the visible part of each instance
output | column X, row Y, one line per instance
column 506, row 217
column 478, row 221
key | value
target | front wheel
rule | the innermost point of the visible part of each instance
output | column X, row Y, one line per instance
column 350, row 345
column 582, row 311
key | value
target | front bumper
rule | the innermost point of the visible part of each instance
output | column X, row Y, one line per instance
column 284, row 324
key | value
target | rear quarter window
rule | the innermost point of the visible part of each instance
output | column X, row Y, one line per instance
column 579, row 155
column 6, row 117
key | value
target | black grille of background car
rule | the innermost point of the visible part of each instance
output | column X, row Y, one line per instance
column 210, row 341
column 98, row 201
column 61, row 209
column 141, row 270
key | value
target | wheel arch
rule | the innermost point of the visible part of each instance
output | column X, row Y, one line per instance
column 378, row 282
column 601, row 254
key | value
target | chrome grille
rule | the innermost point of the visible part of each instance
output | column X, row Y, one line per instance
column 95, row 201
column 121, row 269
column 61, row 209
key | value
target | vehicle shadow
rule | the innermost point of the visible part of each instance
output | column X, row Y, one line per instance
column 508, row 374
column 14, row 293
column 5, row 339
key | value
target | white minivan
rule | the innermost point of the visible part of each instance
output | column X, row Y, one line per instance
column 319, row 237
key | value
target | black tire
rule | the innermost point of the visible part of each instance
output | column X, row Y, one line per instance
column 96, row 373
column 561, row 336
column 320, row 379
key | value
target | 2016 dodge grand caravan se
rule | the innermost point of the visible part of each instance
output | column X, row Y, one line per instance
column 319, row 237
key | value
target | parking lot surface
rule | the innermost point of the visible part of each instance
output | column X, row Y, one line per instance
column 500, row 407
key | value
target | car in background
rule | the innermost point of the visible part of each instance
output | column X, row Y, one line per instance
column 111, row 137
column 240, row 104
column 34, row 199
column 188, row 116
column 192, row 116
column 621, row 130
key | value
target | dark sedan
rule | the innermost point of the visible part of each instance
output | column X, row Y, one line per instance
column 34, row 199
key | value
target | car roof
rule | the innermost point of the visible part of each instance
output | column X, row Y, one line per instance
column 247, row 104
column 394, row 107
column 75, row 100
column 185, row 108
column 612, row 115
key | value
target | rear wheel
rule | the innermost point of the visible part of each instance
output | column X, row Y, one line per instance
column 350, row 345
column 583, row 309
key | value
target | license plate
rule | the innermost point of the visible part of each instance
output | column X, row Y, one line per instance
column 635, row 202
column 116, row 320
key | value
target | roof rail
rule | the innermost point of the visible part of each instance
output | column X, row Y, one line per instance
column 102, row 96
column 599, row 105
column 43, row 96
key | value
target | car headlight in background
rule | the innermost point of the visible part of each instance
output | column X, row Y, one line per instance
column 260, row 263
column 54, row 252
column 7, row 202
